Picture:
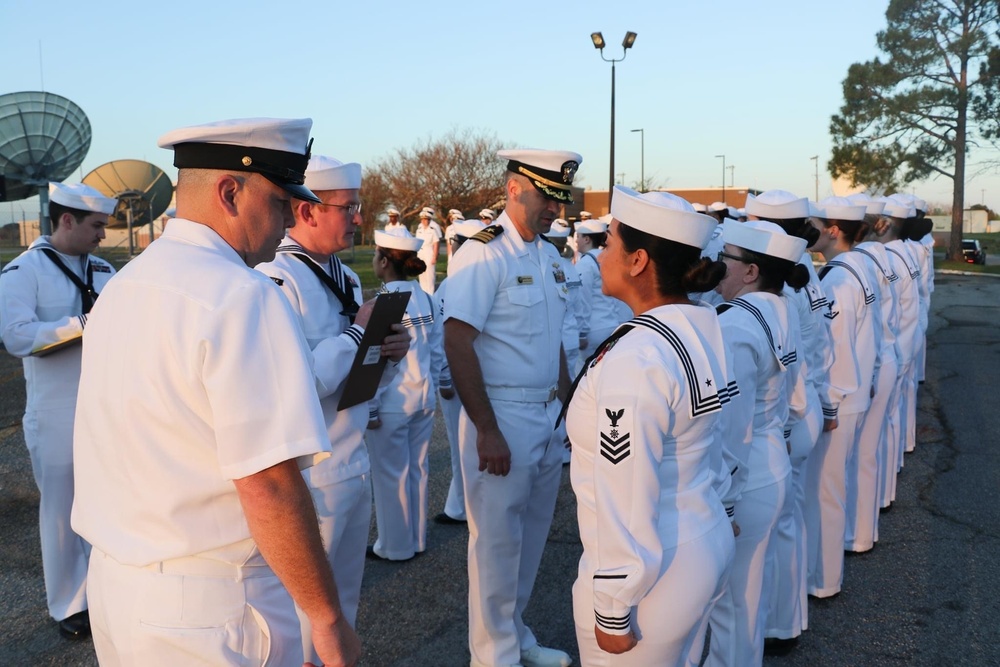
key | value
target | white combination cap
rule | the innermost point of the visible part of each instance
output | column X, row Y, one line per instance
column 837, row 208
column 591, row 227
column 392, row 211
column 467, row 228
column 662, row 214
column 425, row 213
column 276, row 148
column 872, row 206
column 81, row 198
column 777, row 204
column 717, row 206
column 897, row 209
column 456, row 214
column 399, row 238
column 559, row 229
column 551, row 172
column 327, row 173
column 765, row 238
column 488, row 213
column 586, row 215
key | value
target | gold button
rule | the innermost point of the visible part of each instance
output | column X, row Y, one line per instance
column 247, row 161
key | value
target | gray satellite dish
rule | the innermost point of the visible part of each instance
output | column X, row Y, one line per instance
column 43, row 137
column 142, row 189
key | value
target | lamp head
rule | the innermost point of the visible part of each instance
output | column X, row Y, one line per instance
column 598, row 40
column 629, row 39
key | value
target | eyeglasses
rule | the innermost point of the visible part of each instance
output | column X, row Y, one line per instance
column 721, row 254
column 352, row 209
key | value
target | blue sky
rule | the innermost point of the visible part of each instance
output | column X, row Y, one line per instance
column 754, row 81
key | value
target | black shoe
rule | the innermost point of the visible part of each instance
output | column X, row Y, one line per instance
column 778, row 647
column 76, row 626
column 447, row 520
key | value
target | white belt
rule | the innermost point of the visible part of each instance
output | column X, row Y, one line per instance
column 521, row 394
column 195, row 566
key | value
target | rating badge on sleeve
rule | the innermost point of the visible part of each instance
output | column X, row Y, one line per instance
column 616, row 442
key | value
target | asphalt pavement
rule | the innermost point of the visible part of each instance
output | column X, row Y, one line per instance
column 926, row 595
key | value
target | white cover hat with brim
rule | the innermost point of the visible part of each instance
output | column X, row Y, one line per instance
column 837, row 208
column 488, row 213
column 764, row 237
column 398, row 238
column 896, row 209
column 591, row 227
column 467, row 228
column 81, row 197
column 558, row 230
column 662, row 214
column 777, row 204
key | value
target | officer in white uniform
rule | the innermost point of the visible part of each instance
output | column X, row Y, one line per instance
column 451, row 406
column 503, row 331
column 454, row 215
column 46, row 294
column 559, row 234
column 214, row 532
column 325, row 295
column 852, row 376
column 429, row 232
column 394, row 222
column 644, row 422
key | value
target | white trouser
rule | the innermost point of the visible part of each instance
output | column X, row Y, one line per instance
column 894, row 438
column 509, row 519
column 670, row 621
column 398, row 452
column 192, row 611
column 49, row 437
column 344, row 510
column 454, row 505
column 739, row 617
column 788, row 611
column 910, row 423
column 825, row 506
column 427, row 278
column 862, row 476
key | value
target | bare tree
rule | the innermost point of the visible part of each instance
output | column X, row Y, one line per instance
column 460, row 170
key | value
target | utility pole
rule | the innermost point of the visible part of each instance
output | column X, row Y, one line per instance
column 815, row 158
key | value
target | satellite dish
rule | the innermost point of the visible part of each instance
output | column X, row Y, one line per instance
column 142, row 189
column 43, row 137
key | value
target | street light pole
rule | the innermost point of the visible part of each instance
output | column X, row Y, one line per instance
column 732, row 175
column 723, row 177
column 598, row 41
column 642, row 171
column 815, row 158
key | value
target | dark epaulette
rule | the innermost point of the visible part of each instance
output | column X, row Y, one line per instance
column 723, row 307
column 488, row 234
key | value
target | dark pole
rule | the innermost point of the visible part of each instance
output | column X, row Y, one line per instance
column 642, row 158
column 611, row 168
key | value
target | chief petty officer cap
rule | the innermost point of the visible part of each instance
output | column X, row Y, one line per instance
column 837, row 208
column 399, row 238
column 558, row 230
column 872, row 206
column 551, row 172
column 327, row 173
column 765, row 238
column 80, row 197
column 662, row 214
column 275, row 148
column 777, row 204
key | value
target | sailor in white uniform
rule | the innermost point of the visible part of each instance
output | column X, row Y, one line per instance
column 325, row 296
column 393, row 219
column 429, row 232
column 788, row 609
column 760, row 259
column 643, row 419
column 46, row 294
column 401, row 416
column 600, row 314
column 214, row 532
column 503, row 333
column 451, row 406
column 850, row 387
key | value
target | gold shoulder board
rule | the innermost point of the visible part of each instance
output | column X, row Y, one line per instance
column 488, row 234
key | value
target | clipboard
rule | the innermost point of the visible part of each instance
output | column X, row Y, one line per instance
column 366, row 371
column 46, row 350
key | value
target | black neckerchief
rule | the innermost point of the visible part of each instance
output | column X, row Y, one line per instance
column 87, row 293
column 350, row 310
